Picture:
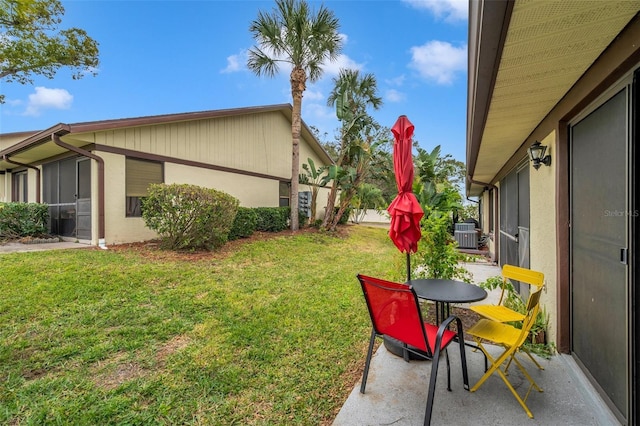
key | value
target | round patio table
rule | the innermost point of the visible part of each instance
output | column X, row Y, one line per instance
column 443, row 292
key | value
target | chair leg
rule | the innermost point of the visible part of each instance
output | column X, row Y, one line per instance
column 533, row 359
column 496, row 363
column 463, row 358
column 446, row 355
column 432, row 385
column 368, row 361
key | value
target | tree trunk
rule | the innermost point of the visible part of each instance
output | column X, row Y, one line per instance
column 331, row 203
column 298, row 83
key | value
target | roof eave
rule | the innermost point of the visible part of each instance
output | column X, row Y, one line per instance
column 488, row 25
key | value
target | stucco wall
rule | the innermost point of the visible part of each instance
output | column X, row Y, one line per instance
column 251, row 191
column 118, row 227
column 543, row 231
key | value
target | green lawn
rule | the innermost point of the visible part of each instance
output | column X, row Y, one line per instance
column 275, row 332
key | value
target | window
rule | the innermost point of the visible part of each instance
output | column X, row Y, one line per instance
column 139, row 175
column 19, row 192
column 285, row 192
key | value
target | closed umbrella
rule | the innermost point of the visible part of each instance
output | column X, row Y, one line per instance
column 405, row 210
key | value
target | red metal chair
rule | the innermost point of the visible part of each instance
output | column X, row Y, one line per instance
column 395, row 312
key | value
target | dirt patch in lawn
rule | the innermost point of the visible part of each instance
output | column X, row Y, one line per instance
column 151, row 249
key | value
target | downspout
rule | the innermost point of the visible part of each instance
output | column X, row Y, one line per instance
column 496, row 225
column 101, row 204
column 5, row 157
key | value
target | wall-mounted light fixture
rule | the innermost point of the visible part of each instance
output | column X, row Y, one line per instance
column 536, row 154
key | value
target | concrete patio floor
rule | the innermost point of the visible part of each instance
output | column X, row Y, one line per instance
column 396, row 392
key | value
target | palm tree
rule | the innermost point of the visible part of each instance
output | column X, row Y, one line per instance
column 351, row 95
column 294, row 35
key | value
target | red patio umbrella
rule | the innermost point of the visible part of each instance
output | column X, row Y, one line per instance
column 405, row 209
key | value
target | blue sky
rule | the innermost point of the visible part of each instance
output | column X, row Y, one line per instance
column 163, row 57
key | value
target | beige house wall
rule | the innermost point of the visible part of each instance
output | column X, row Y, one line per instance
column 543, row 234
column 249, row 190
column 118, row 228
column 229, row 142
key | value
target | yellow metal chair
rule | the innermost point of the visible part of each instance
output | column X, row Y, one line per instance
column 501, row 313
column 511, row 339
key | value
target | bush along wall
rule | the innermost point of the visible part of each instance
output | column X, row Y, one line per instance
column 245, row 223
column 189, row 217
column 272, row 219
column 23, row 220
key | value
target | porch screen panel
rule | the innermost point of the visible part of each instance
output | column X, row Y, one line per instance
column 599, row 218
column 509, row 219
column 67, row 197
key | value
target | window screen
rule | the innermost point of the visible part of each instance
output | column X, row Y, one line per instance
column 139, row 175
column 285, row 192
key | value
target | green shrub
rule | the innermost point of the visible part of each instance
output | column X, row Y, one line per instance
column 23, row 220
column 244, row 225
column 188, row 216
column 272, row 219
column 437, row 256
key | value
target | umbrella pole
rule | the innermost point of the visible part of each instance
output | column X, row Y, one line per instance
column 408, row 266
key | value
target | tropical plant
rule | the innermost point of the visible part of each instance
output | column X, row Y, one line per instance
column 360, row 136
column 314, row 178
column 367, row 197
column 435, row 183
column 31, row 44
column 294, row 35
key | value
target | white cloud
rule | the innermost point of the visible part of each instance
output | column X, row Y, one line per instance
column 235, row 63
column 313, row 95
column 45, row 98
column 449, row 10
column 396, row 81
column 439, row 61
column 394, row 96
column 343, row 61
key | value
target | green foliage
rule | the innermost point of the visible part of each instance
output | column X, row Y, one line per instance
column 23, row 220
column 436, row 185
column 189, row 217
column 437, row 256
column 272, row 219
column 314, row 178
column 245, row 223
column 368, row 196
column 33, row 45
column 360, row 137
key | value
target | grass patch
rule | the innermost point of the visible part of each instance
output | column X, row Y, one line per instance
column 273, row 332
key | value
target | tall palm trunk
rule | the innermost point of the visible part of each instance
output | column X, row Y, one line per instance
column 298, row 85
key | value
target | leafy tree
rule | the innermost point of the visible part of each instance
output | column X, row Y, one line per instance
column 351, row 95
column 381, row 173
column 436, row 180
column 31, row 43
column 294, row 35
